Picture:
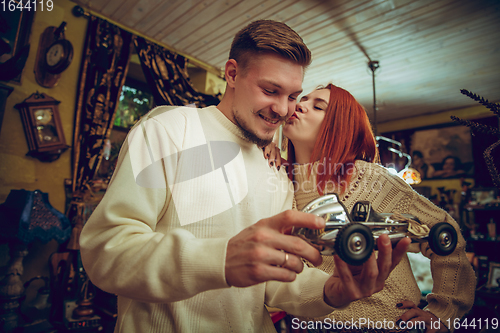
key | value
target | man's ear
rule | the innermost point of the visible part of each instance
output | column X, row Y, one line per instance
column 231, row 72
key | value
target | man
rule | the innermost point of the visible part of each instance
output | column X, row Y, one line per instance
column 191, row 232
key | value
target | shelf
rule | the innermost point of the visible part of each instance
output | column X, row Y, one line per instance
column 491, row 206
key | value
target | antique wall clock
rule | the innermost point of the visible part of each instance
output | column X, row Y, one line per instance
column 42, row 126
column 54, row 55
column 58, row 56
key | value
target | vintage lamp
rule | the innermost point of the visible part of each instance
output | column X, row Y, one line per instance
column 24, row 217
column 410, row 175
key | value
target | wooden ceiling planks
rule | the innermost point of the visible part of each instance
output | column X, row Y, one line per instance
column 142, row 11
column 224, row 33
column 179, row 19
column 427, row 49
column 156, row 18
column 220, row 52
column 209, row 22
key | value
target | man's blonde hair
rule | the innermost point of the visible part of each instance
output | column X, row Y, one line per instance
column 267, row 36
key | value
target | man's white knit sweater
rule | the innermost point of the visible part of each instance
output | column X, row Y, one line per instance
column 186, row 182
column 454, row 280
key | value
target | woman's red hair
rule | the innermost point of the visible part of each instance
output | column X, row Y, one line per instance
column 345, row 136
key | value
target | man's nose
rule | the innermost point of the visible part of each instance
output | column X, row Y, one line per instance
column 281, row 107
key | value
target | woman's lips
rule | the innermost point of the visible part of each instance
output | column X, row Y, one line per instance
column 292, row 117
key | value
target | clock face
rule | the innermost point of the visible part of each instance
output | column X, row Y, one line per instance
column 58, row 56
column 45, row 126
column 43, row 116
column 54, row 54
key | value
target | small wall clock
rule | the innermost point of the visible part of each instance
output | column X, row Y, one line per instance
column 42, row 126
column 58, row 56
column 54, row 55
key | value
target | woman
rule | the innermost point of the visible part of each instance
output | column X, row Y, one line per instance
column 332, row 149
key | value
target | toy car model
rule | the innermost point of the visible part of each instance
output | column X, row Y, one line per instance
column 353, row 236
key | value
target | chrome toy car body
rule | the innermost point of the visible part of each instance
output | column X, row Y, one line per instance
column 353, row 236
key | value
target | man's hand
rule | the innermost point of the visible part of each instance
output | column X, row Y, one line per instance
column 264, row 252
column 415, row 314
column 350, row 283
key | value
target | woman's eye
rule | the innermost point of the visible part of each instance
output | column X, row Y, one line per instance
column 270, row 92
column 318, row 108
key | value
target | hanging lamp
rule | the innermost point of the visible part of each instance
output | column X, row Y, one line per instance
column 409, row 175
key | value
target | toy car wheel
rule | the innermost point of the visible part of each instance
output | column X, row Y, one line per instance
column 442, row 239
column 354, row 243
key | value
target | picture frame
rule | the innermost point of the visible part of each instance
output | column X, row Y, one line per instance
column 482, row 196
column 493, row 275
column 17, row 33
column 437, row 152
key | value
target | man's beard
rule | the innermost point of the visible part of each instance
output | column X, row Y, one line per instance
column 248, row 134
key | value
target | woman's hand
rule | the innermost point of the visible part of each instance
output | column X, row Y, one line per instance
column 350, row 283
column 273, row 154
column 415, row 314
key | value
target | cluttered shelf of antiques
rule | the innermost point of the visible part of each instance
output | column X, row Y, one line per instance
column 479, row 216
column 481, row 221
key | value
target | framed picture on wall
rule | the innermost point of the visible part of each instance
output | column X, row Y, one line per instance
column 15, row 30
column 494, row 275
column 447, row 151
column 439, row 152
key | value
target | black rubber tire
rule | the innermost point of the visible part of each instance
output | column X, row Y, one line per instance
column 344, row 243
column 442, row 238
